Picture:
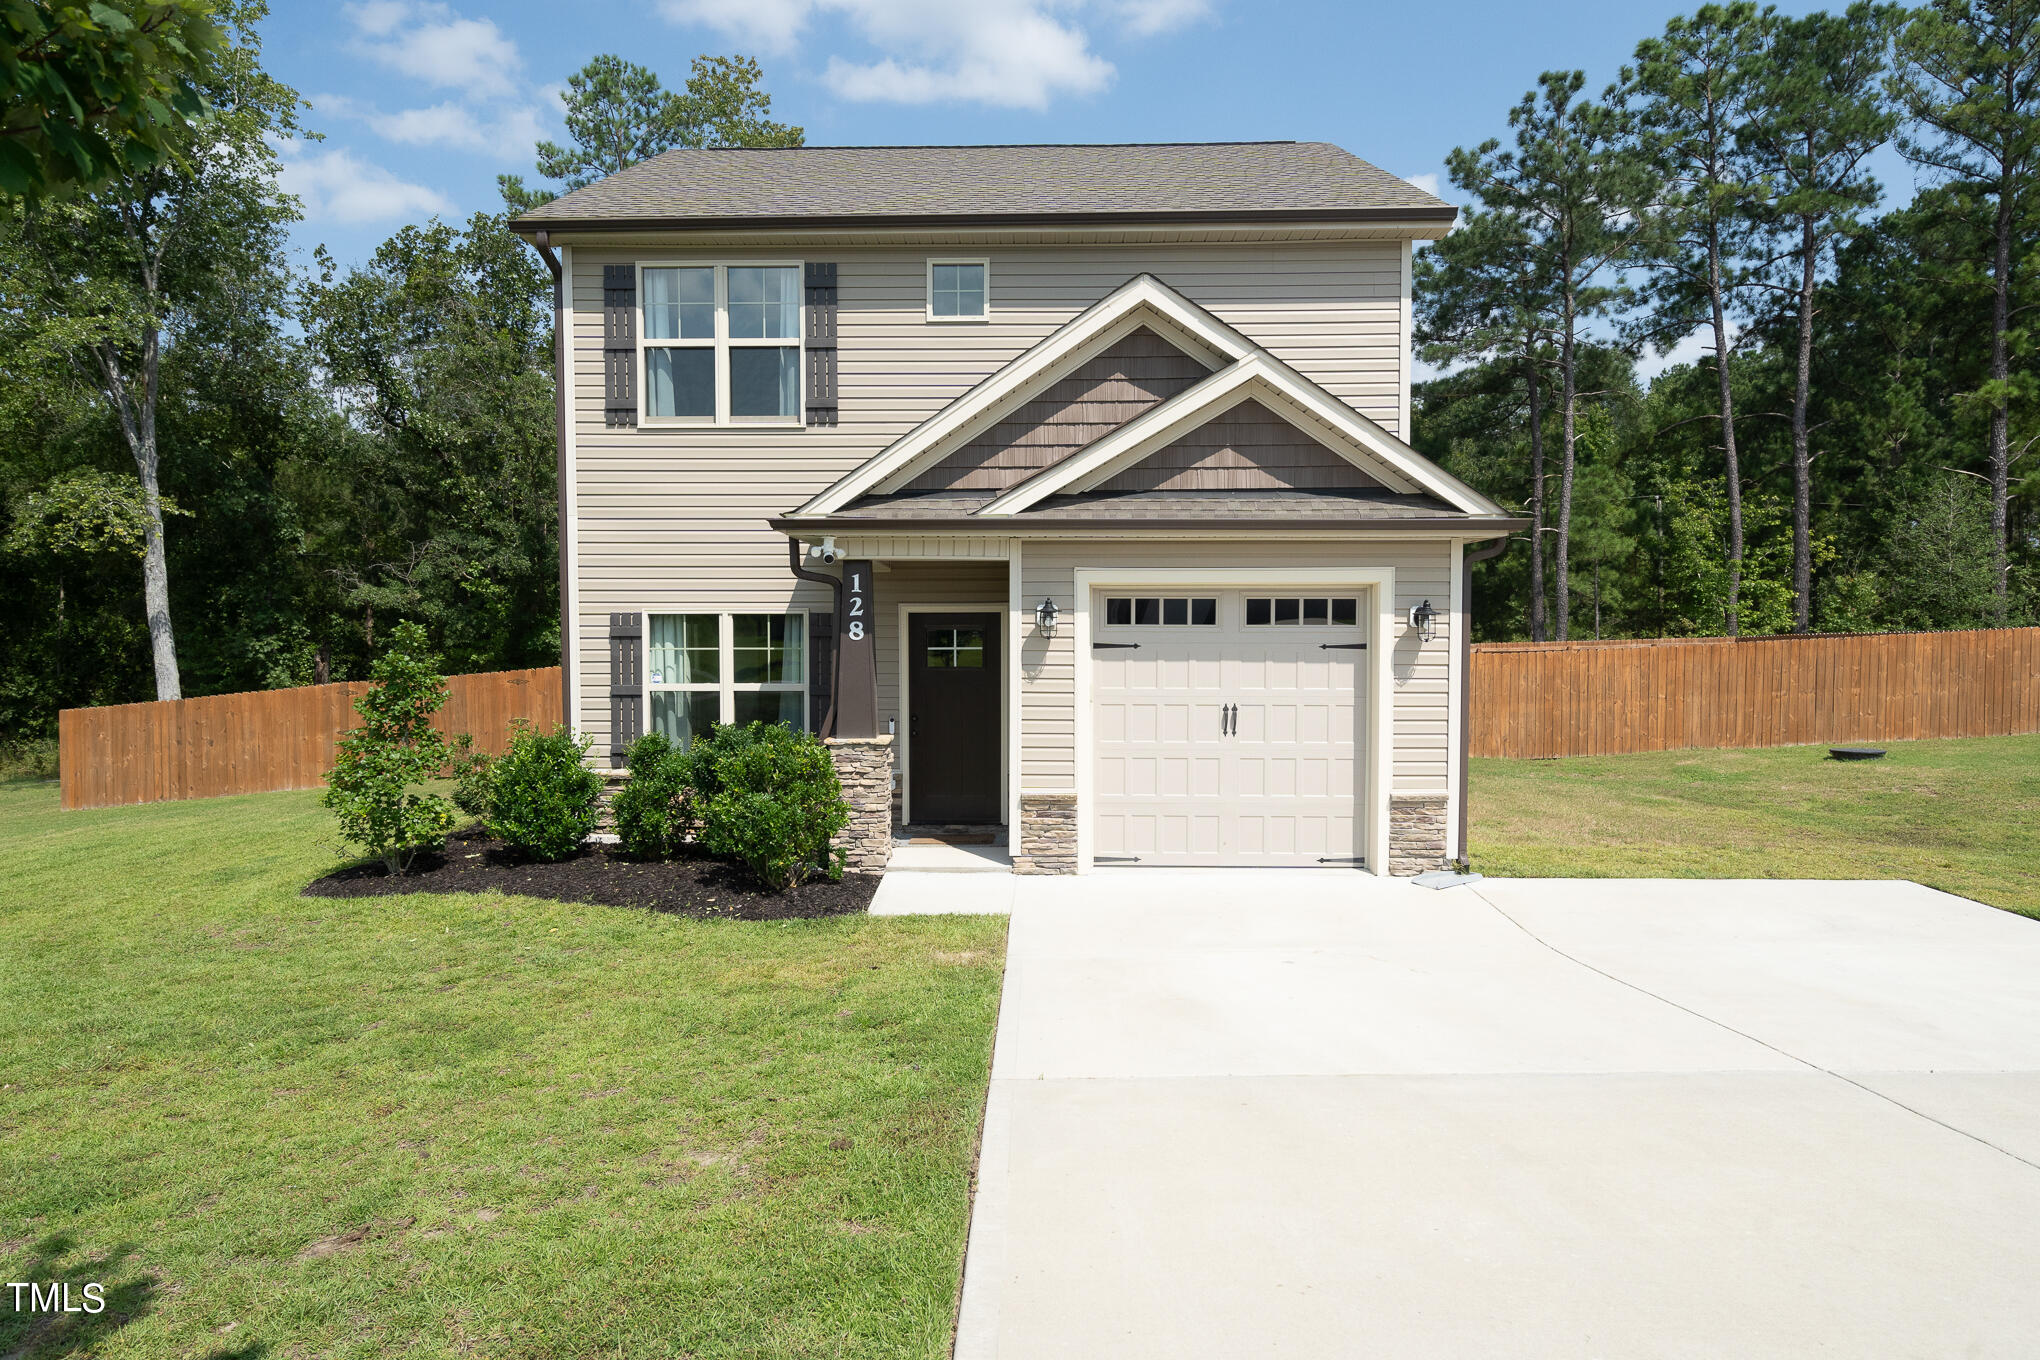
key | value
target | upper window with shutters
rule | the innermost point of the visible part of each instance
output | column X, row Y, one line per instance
column 720, row 344
column 711, row 344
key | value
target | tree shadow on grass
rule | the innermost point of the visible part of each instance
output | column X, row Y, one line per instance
column 27, row 1333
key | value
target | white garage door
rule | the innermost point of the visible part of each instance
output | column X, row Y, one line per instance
column 1225, row 726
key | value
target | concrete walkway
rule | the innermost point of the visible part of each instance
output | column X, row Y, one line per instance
column 1315, row 1114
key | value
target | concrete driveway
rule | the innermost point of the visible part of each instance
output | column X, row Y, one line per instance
column 1309, row 1114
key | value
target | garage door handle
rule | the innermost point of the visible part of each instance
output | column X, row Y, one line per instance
column 1228, row 719
column 1342, row 646
column 1112, row 646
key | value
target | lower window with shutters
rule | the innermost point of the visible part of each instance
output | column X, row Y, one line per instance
column 702, row 669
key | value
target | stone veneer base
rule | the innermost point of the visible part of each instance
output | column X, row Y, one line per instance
column 1416, row 833
column 865, row 765
column 1046, row 840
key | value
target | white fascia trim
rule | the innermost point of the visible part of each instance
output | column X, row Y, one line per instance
column 1016, row 638
column 1380, row 717
column 1143, row 300
column 1455, row 685
column 1406, row 321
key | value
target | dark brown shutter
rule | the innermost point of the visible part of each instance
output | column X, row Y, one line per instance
column 821, row 667
column 619, row 345
column 821, row 344
column 626, row 665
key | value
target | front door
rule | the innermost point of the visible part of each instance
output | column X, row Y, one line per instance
column 953, row 718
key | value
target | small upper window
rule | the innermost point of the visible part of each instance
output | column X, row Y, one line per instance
column 958, row 290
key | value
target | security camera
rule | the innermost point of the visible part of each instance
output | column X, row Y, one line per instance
column 825, row 550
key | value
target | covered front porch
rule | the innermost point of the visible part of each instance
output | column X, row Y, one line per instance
column 924, row 655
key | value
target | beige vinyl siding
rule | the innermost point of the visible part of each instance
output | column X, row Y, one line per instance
column 1420, row 719
column 675, row 519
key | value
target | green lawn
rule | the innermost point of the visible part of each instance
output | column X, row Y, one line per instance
column 476, row 1126
column 1959, row 815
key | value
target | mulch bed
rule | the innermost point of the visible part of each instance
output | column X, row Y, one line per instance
column 475, row 862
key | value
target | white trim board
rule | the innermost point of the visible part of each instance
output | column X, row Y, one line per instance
column 1016, row 637
column 570, row 607
column 1455, row 685
column 1378, row 581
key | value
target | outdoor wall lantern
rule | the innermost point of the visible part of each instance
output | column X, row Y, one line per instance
column 1045, row 616
column 1424, row 620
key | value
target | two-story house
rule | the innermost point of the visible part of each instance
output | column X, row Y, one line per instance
column 1066, row 488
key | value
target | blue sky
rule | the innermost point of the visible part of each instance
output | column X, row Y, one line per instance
column 424, row 102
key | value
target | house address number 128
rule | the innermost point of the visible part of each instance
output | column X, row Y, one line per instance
column 855, row 626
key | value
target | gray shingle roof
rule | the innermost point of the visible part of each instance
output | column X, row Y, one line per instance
column 963, row 184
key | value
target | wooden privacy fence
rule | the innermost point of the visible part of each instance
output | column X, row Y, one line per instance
column 271, row 739
column 1603, row 698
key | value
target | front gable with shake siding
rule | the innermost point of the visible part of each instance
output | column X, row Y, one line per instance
column 1163, row 390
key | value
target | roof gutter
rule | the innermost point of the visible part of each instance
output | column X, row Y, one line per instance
column 835, row 584
column 1429, row 216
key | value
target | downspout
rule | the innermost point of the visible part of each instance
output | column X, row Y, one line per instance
column 835, row 585
column 1467, row 560
column 562, row 374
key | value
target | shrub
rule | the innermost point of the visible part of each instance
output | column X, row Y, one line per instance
column 654, row 808
column 543, row 800
column 372, row 788
column 474, row 777
column 768, row 796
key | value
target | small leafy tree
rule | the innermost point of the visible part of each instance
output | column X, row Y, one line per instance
column 770, row 799
column 90, row 91
column 542, row 798
column 654, row 809
column 373, row 787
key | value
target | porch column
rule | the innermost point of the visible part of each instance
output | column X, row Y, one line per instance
column 857, row 654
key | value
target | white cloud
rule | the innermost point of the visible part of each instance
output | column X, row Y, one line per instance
column 1428, row 183
column 503, row 131
column 1007, row 56
column 1004, row 53
column 1149, row 17
column 769, row 26
column 340, row 186
column 428, row 41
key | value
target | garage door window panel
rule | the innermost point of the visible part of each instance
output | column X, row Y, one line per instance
column 1161, row 611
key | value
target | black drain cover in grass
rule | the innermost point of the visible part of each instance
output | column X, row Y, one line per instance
column 1856, row 752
